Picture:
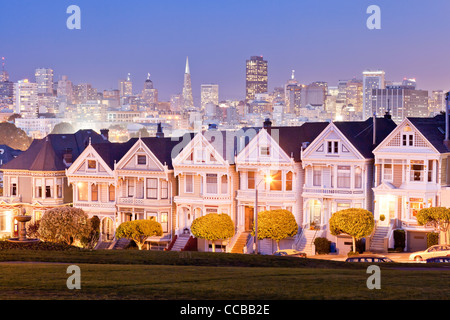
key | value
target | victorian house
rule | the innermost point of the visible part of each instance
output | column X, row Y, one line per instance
column 411, row 173
column 36, row 179
column 339, row 173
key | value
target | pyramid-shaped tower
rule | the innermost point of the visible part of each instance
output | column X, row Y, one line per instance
column 188, row 101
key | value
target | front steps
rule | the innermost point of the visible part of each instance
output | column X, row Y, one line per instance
column 240, row 243
column 306, row 244
column 377, row 241
column 181, row 242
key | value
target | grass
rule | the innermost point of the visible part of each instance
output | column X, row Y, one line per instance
column 155, row 275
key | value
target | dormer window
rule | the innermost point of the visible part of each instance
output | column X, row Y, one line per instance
column 333, row 147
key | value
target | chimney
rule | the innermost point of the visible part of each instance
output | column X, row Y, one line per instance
column 68, row 155
column 447, row 122
column 159, row 132
column 105, row 133
column 268, row 125
column 374, row 142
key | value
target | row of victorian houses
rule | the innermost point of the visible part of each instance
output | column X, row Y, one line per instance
column 316, row 169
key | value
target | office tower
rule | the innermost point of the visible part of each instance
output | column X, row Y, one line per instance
column 126, row 87
column 400, row 101
column 176, row 102
column 292, row 93
column 371, row 80
column 314, row 94
column 26, row 97
column 409, row 83
column 84, row 92
column 209, row 94
column 187, row 99
column 436, row 102
column 65, row 90
column 149, row 93
column 44, row 81
column 354, row 95
column 256, row 77
column 4, row 76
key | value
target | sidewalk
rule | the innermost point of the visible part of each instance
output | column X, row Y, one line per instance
column 395, row 256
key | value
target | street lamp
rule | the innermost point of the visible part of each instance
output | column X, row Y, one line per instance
column 268, row 179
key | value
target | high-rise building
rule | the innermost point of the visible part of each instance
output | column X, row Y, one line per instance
column 209, row 94
column 400, row 101
column 4, row 76
column 44, row 81
column 436, row 102
column 126, row 87
column 314, row 94
column 292, row 93
column 371, row 80
column 149, row 93
column 256, row 77
column 26, row 98
column 64, row 89
column 176, row 102
column 188, row 100
column 84, row 92
column 409, row 83
column 354, row 95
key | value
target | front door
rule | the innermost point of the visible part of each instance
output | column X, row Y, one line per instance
column 315, row 212
column 249, row 218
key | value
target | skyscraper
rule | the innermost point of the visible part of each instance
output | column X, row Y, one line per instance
column 209, row 94
column 126, row 87
column 371, row 80
column 187, row 100
column 256, row 77
column 437, row 102
column 26, row 98
column 149, row 94
column 292, row 94
column 44, row 80
column 4, row 76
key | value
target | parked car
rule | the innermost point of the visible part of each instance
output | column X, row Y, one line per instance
column 290, row 253
column 433, row 251
column 368, row 258
column 439, row 260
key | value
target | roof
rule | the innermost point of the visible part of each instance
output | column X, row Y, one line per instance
column 113, row 152
column 360, row 133
column 433, row 129
column 47, row 154
column 7, row 154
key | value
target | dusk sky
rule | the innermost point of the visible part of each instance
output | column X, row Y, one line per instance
column 321, row 40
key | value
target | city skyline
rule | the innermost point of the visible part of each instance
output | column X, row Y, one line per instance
column 92, row 55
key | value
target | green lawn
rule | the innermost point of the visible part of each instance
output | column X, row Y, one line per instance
column 132, row 274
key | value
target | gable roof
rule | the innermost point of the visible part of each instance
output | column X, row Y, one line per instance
column 433, row 129
column 113, row 152
column 7, row 154
column 47, row 154
column 360, row 133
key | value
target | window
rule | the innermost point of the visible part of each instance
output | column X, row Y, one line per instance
column 49, row 188
column 417, row 170
column 343, row 176
column 333, row 147
column 13, row 186
column 94, row 192
column 224, row 185
column 142, row 159
column 277, row 181
column 415, row 205
column 82, row 191
column 59, row 187
column 164, row 189
column 408, row 139
column 4, row 219
column 130, row 188
column 430, row 170
column 317, row 176
column 152, row 188
column 38, row 188
column 289, row 181
column 165, row 221
column 251, row 180
column 189, row 183
column 92, row 164
column 112, row 193
column 211, row 183
column 388, row 170
column 201, row 156
column 358, row 178
column 264, row 151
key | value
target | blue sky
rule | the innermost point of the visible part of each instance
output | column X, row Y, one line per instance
column 321, row 40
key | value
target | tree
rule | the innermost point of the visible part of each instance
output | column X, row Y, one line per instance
column 64, row 225
column 438, row 217
column 357, row 223
column 63, row 128
column 276, row 225
column 91, row 239
column 14, row 137
column 12, row 118
column 139, row 231
column 212, row 227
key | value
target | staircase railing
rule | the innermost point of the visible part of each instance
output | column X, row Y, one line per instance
column 170, row 246
column 249, row 245
column 191, row 244
column 234, row 239
column 298, row 238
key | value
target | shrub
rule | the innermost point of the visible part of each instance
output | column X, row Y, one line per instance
column 212, row 227
column 399, row 239
column 64, row 225
column 438, row 217
column 322, row 245
column 382, row 217
column 432, row 239
column 139, row 231
column 91, row 239
column 33, row 229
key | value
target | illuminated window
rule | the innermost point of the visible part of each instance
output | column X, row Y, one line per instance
column 82, row 191
column 289, row 181
column 92, row 164
column 276, row 184
column 94, row 192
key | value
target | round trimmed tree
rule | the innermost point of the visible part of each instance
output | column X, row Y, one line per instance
column 438, row 217
column 356, row 222
column 139, row 231
column 213, row 227
column 64, row 225
column 276, row 225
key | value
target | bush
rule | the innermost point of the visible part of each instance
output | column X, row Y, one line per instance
column 40, row 246
column 212, row 227
column 139, row 231
column 91, row 240
column 322, row 245
column 33, row 229
column 399, row 239
column 432, row 239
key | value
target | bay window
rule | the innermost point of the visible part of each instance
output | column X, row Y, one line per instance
column 152, row 188
column 417, row 172
column 277, row 181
